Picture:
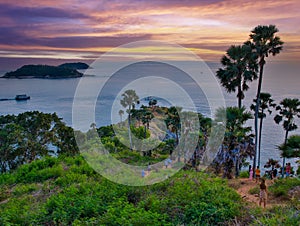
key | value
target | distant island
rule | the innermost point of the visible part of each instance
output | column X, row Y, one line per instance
column 67, row 70
column 76, row 66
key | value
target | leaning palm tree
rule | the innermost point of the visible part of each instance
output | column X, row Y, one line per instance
column 288, row 109
column 239, row 68
column 266, row 103
column 121, row 113
column 291, row 148
column 130, row 99
column 264, row 42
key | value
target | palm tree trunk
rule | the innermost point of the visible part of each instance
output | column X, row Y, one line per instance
column 237, row 169
column 261, row 69
column 283, row 160
column 240, row 97
column 259, row 141
column 129, row 131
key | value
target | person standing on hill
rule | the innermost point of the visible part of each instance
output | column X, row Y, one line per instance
column 257, row 174
column 275, row 173
column 263, row 193
column 288, row 169
column 250, row 173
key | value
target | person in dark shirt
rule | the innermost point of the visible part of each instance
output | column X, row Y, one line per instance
column 275, row 173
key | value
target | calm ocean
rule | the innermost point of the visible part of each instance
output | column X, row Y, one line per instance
column 49, row 95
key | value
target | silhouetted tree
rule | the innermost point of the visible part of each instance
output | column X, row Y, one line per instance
column 121, row 113
column 288, row 109
column 264, row 41
column 130, row 99
column 266, row 103
column 239, row 68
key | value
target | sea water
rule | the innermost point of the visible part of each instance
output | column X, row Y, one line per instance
column 57, row 95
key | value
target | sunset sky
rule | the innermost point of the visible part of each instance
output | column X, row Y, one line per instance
column 48, row 31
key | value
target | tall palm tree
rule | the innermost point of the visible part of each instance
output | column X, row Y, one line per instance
column 288, row 109
column 147, row 116
column 266, row 103
column 93, row 126
column 130, row 99
column 173, row 121
column 239, row 67
column 264, row 42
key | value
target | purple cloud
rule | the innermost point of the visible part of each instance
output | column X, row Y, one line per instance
column 19, row 14
column 18, row 37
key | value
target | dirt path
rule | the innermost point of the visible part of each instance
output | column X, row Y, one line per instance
column 243, row 190
column 243, row 187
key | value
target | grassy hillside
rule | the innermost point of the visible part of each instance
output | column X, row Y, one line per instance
column 68, row 192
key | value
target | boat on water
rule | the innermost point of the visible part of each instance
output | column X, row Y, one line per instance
column 22, row 97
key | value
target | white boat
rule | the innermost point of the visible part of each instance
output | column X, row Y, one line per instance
column 22, row 97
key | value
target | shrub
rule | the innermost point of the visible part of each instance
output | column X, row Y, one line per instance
column 35, row 175
column 254, row 190
column 120, row 212
column 244, row 174
column 71, row 178
column 281, row 187
column 19, row 211
column 21, row 189
column 39, row 170
column 280, row 215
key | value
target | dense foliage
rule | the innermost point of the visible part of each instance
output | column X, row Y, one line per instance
column 237, row 144
column 67, row 191
column 31, row 135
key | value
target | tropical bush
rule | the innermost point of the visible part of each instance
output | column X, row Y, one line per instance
column 244, row 174
column 282, row 186
column 279, row 215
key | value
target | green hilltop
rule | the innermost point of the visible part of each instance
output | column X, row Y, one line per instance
column 58, row 187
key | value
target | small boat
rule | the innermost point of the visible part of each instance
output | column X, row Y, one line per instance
column 22, row 97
